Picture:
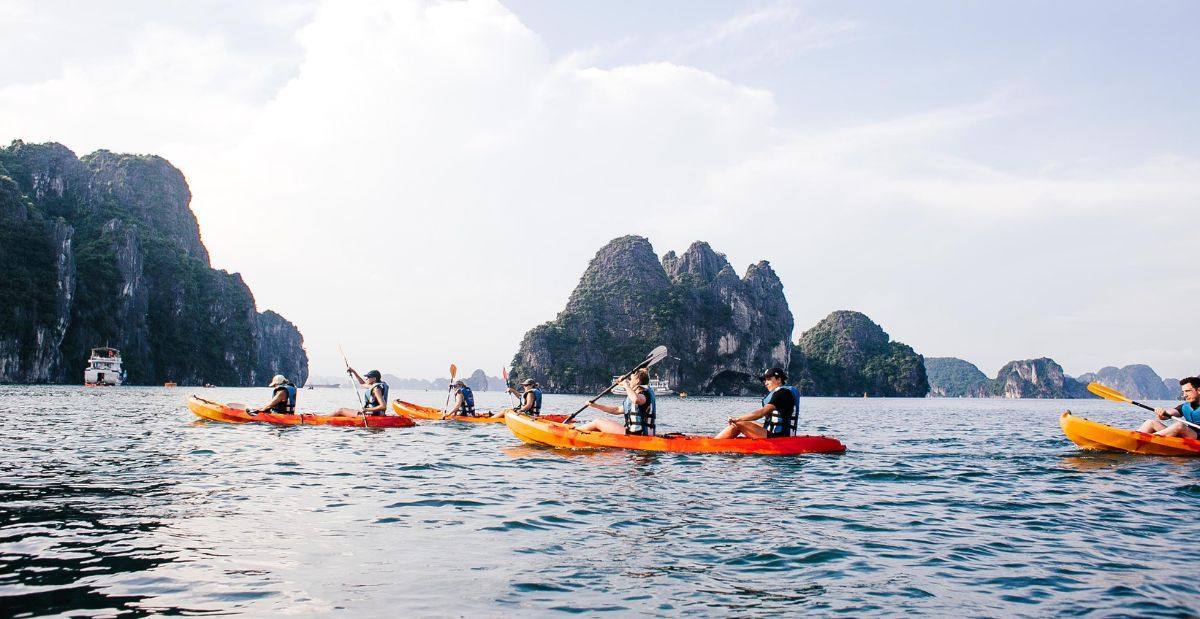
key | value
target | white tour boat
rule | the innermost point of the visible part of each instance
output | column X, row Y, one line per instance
column 660, row 386
column 104, row 368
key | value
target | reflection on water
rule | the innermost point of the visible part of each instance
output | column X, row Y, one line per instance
column 118, row 501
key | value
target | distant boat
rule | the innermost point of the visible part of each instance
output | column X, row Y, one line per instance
column 104, row 368
column 170, row 383
column 658, row 385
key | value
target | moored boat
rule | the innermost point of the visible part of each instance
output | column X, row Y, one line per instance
column 563, row 436
column 104, row 368
column 215, row 411
column 1096, row 436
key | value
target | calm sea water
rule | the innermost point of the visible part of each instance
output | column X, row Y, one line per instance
column 116, row 502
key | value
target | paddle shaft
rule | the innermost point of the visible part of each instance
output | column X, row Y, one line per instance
column 1180, row 419
column 641, row 365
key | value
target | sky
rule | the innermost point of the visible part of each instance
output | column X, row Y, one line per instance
column 423, row 182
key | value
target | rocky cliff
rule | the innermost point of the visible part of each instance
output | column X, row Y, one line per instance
column 106, row 250
column 1036, row 378
column 1138, row 381
column 950, row 377
column 847, row 354
column 723, row 328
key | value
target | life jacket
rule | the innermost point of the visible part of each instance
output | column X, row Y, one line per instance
column 288, row 406
column 1190, row 413
column 369, row 397
column 468, row 406
column 640, row 419
column 537, row 402
column 782, row 423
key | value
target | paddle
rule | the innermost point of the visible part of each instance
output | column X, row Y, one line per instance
column 353, row 383
column 1108, row 393
column 449, row 389
column 504, row 375
column 656, row 355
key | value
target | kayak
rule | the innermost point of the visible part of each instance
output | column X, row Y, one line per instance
column 215, row 411
column 428, row 412
column 563, row 436
column 1097, row 436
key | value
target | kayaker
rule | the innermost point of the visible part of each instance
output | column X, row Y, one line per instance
column 1189, row 410
column 779, row 411
column 464, row 401
column 531, row 398
column 639, row 409
column 283, row 399
column 375, row 398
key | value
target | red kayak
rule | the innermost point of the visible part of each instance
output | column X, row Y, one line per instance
column 215, row 411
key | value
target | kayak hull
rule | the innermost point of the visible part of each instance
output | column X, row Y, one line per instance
column 417, row 411
column 562, row 436
column 1099, row 437
column 215, row 411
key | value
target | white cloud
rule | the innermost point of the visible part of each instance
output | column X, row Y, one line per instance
column 431, row 181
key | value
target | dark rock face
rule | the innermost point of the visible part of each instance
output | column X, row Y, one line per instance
column 111, row 254
column 950, row 377
column 847, row 354
column 1136, row 381
column 1037, row 378
column 725, row 329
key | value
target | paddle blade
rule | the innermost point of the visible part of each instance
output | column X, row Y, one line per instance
column 504, row 375
column 656, row 355
column 1108, row 393
column 453, row 371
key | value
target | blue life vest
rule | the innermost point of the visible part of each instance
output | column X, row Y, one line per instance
column 1190, row 413
column 369, row 397
column 468, row 406
column 287, row 407
column 782, row 423
column 640, row 419
column 537, row 402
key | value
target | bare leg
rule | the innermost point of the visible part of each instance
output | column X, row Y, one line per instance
column 346, row 412
column 603, row 425
column 1177, row 429
column 1151, row 426
column 746, row 428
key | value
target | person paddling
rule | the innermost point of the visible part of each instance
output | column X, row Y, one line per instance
column 374, row 399
column 639, row 409
column 531, row 398
column 1189, row 410
column 283, row 399
column 779, row 411
column 464, row 401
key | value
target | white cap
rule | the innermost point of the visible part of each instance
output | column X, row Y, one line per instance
column 278, row 380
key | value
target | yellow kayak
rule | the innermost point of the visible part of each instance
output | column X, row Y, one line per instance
column 1092, row 435
column 417, row 411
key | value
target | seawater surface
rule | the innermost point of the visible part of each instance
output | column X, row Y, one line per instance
column 118, row 502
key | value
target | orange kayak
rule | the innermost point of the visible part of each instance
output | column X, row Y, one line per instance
column 1097, row 436
column 215, row 411
column 559, row 435
column 428, row 412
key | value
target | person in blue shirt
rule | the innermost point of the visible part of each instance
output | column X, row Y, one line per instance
column 1189, row 411
column 779, row 411
column 283, row 398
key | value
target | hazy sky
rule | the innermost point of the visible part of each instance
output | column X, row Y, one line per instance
column 423, row 182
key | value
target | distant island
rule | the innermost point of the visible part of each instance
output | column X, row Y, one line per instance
column 477, row 381
column 105, row 251
column 723, row 329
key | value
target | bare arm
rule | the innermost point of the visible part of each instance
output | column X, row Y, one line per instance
column 459, row 400
column 754, row 415
column 355, row 375
column 611, row 410
column 279, row 398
